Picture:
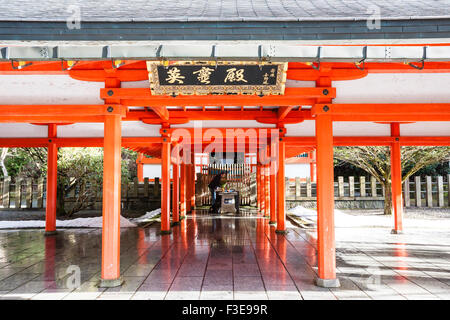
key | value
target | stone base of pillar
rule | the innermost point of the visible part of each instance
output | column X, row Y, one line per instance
column 272, row 223
column 393, row 231
column 327, row 283
column 110, row 283
column 50, row 233
column 281, row 231
column 166, row 232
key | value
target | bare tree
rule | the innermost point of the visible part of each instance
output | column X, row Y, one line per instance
column 2, row 161
column 376, row 161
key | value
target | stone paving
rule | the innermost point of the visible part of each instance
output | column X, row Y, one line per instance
column 225, row 258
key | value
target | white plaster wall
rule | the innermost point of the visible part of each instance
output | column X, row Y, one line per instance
column 81, row 130
column 297, row 170
column 438, row 128
column 306, row 128
column 395, row 88
column 48, row 89
column 152, row 171
column 225, row 124
column 22, row 130
column 139, row 129
column 352, row 129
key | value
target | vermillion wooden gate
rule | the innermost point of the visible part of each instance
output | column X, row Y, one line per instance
column 239, row 177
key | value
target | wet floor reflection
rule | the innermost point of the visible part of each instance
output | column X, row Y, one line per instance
column 224, row 257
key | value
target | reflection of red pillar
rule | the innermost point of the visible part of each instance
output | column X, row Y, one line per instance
column 111, row 201
column 325, row 203
column 182, row 191
column 175, row 192
column 273, row 191
column 141, row 246
column 52, row 177
column 267, row 190
column 258, row 187
column 49, row 273
column 192, row 185
column 165, row 186
column 396, row 180
column 281, row 214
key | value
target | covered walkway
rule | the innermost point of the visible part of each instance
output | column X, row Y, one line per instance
column 228, row 257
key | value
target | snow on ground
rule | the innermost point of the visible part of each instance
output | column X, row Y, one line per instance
column 146, row 217
column 95, row 222
column 344, row 220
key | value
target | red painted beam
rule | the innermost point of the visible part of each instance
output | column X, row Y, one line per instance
column 58, row 113
column 392, row 112
column 291, row 97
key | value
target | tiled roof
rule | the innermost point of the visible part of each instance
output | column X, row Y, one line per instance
column 220, row 10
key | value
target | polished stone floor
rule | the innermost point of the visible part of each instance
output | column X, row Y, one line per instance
column 225, row 258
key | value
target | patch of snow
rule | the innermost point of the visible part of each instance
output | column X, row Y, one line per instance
column 147, row 216
column 95, row 222
column 344, row 220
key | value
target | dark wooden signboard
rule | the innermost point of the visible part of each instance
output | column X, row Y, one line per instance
column 223, row 78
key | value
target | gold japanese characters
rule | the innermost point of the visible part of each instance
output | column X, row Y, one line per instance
column 202, row 78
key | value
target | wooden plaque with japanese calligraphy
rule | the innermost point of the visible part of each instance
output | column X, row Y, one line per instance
column 189, row 78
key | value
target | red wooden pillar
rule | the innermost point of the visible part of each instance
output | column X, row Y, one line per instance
column 396, row 180
column 325, row 203
column 188, row 190
column 267, row 190
column 273, row 190
column 281, row 214
column 165, row 186
column 175, row 190
column 182, row 190
column 312, row 166
column 258, row 187
column 52, row 181
column 140, row 167
column 110, row 275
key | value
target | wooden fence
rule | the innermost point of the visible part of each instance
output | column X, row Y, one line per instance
column 417, row 191
column 26, row 193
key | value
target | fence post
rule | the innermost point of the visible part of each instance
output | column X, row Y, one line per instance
column 440, row 185
column 448, row 189
column 341, row 186
column 418, row 185
column 146, row 194
column 40, row 193
column 156, row 188
column 5, row 195
column 17, row 193
column 298, row 190
column 308, row 187
column 429, row 192
column 135, row 187
column 362, row 186
column 406, row 193
column 286, row 187
column 28, row 193
column 373, row 186
column 351, row 183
